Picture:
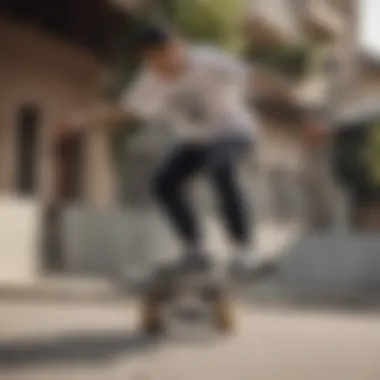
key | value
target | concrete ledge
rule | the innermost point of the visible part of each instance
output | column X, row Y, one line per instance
column 102, row 242
column 326, row 270
column 267, row 293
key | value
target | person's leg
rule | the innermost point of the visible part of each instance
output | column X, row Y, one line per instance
column 224, row 159
column 168, row 189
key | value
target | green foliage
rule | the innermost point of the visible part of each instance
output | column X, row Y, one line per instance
column 289, row 60
column 214, row 21
column 348, row 166
column 124, row 62
column 356, row 158
column 371, row 154
column 118, row 140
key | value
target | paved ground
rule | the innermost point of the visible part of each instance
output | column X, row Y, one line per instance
column 46, row 341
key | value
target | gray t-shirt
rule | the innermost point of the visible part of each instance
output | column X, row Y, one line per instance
column 209, row 99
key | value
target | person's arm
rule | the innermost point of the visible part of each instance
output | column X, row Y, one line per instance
column 139, row 100
column 143, row 99
column 103, row 116
column 98, row 117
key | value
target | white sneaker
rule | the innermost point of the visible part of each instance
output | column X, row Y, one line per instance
column 250, row 264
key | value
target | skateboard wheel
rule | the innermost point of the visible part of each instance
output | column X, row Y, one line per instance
column 223, row 314
column 152, row 323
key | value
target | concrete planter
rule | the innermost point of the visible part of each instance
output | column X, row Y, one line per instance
column 104, row 241
column 333, row 266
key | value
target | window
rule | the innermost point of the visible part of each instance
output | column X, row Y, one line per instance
column 27, row 134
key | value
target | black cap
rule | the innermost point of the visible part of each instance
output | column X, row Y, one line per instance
column 154, row 36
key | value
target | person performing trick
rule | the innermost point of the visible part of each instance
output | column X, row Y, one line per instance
column 202, row 92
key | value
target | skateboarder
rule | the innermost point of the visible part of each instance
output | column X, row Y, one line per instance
column 202, row 92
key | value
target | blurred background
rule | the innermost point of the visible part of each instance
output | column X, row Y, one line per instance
column 72, row 215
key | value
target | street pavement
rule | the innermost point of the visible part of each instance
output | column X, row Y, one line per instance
column 42, row 340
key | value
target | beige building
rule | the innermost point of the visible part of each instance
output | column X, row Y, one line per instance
column 42, row 79
column 48, row 69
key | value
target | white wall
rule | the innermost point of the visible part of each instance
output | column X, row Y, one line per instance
column 20, row 228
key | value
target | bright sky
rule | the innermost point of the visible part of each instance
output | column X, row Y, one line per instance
column 370, row 25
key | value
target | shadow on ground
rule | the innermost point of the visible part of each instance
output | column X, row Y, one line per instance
column 79, row 347
column 97, row 346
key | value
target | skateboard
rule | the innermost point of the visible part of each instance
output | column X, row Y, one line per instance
column 163, row 288
column 167, row 287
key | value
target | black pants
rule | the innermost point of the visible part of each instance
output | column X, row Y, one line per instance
column 220, row 161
